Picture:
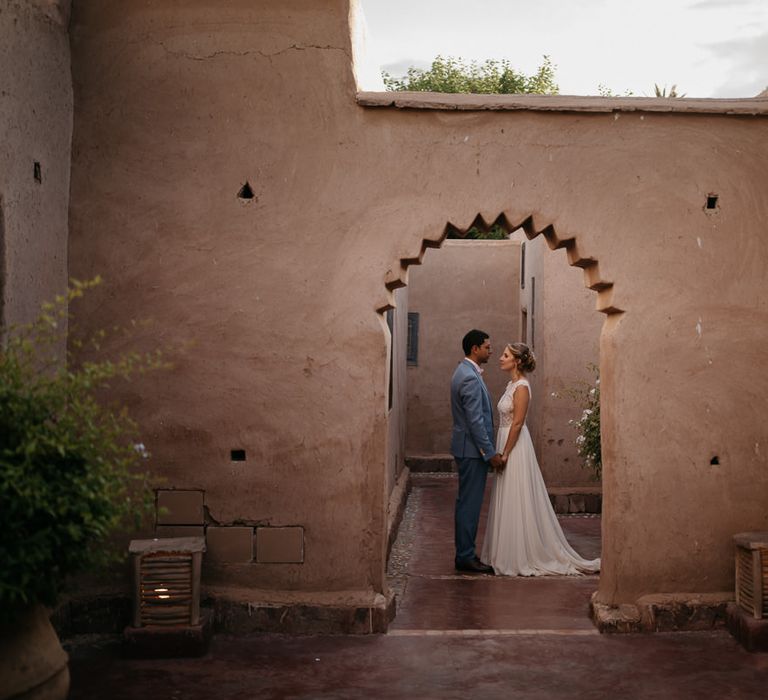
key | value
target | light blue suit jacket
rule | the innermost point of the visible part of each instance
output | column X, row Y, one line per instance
column 472, row 414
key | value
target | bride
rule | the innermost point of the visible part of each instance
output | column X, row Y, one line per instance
column 523, row 536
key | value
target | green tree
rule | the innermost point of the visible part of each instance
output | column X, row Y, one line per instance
column 605, row 91
column 494, row 233
column 662, row 91
column 449, row 74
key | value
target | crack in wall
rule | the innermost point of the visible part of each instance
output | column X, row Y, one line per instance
column 263, row 54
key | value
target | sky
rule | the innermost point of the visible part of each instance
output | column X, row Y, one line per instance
column 708, row 48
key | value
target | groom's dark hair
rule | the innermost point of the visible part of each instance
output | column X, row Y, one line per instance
column 474, row 337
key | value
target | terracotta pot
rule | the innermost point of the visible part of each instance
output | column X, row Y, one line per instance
column 33, row 666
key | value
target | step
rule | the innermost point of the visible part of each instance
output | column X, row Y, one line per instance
column 565, row 499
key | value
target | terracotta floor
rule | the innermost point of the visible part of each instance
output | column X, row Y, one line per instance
column 454, row 637
column 434, row 597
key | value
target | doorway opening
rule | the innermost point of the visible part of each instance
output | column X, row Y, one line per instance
column 515, row 289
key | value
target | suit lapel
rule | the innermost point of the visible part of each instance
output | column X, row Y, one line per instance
column 480, row 379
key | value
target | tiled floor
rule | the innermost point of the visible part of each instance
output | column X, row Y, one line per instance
column 454, row 637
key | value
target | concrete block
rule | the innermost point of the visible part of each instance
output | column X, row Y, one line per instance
column 280, row 545
column 229, row 545
column 752, row 634
column 177, row 507
column 179, row 531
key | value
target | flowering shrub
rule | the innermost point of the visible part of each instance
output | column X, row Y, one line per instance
column 588, row 425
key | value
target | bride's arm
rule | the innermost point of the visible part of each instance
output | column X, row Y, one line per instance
column 520, row 401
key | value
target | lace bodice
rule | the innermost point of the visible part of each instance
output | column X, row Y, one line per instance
column 505, row 405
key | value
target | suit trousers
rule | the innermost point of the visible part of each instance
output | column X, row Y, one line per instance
column 473, row 473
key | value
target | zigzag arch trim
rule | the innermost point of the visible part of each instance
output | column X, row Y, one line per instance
column 590, row 265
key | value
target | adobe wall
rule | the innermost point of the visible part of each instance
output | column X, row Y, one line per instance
column 277, row 296
column 397, row 422
column 35, row 127
column 464, row 285
column 176, row 108
column 566, row 341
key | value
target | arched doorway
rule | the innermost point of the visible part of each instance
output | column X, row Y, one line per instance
column 476, row 282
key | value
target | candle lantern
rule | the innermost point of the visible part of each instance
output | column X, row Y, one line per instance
column 747, row 618
column 167, row 619
column 752, row 573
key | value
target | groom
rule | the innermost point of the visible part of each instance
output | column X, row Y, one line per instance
column 472, row 445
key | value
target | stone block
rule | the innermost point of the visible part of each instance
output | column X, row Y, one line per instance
column 615, row 619
column 576, row 503
column 562, row 503
column 751, row 633
column 593, row 503
column 238, row 617
column 280, row 545
column 688, row 612
column 426, row 464
column 165, row 531
column 229, row 545
column 177, row 507
column 173, row 641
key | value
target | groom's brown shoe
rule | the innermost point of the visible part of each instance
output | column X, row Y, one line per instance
column 474, row 566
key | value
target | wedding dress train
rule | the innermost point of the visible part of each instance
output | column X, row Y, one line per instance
column 523, row 536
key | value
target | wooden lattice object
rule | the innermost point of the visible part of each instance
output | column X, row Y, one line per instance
column 752, row 573
column 166, row 581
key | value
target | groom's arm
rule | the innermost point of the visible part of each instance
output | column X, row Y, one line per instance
column 471, row 396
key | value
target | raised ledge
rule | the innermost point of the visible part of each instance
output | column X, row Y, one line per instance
column 752, row 106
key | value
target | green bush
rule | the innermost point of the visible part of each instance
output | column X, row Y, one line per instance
column 495, row 233
column 588, row 425
column 450, row 74
column 69, row 465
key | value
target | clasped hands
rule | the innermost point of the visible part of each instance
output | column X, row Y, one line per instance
column 497, row 462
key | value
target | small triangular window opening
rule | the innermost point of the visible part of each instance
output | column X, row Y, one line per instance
column 245, row 192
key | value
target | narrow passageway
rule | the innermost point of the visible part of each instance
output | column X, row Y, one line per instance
column 433, row 599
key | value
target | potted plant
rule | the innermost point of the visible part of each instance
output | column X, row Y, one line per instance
column 69, row 476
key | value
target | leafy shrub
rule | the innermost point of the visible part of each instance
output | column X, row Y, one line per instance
column 449, row 74
column 588, row 425
column 68, row 464
column 495, row 233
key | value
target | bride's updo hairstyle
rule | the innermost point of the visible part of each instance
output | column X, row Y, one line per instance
column 523, row 353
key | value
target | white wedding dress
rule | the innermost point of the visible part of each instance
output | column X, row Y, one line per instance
column 523, row 536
